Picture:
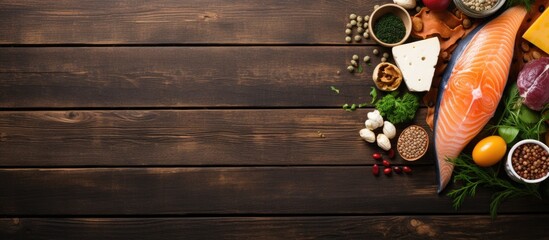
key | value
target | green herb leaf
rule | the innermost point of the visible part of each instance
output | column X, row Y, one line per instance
column 353, row 107
column 398, row 110
column 359, row 69
column 527, row 115
column 334, row 89
column 472, row 176
column 508, row 133
column 345, row 106
column 362, row 105
column 373, row 93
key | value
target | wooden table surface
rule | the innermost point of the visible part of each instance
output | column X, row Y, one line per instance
column 200, row 119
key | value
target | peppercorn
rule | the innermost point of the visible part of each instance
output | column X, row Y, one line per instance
column 375, row 51
column 530, row 161
column 366, row 35
column 386, row 55
column 358, row 38
column 360, row 30
column 353, row 22
column 352, row 16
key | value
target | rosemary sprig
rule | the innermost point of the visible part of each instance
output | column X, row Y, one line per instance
column 473, row 176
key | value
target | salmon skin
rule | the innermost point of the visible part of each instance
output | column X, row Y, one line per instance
column 472, row 86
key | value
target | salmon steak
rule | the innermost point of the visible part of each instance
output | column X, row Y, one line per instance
column 472, row 87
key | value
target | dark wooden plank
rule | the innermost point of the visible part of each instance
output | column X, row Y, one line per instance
column 179, row 22
column 187, row 137
column 181, row 77
column 336, row 227
column 222, row 191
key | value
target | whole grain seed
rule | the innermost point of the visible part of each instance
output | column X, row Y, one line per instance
column 348, row 31
column 412, row 142
column 480, row 5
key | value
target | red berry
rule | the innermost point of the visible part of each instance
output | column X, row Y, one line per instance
column 391, row 153
column 407, row 169
column 386, row 163
column 376, row 156
column 375, row 170
column 397, row 169
column 387, row 171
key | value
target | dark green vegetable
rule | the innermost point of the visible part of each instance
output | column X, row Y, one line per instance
column 398, row 110
column 389, row 28
column 334, row 89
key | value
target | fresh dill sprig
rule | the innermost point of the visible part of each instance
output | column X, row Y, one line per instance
column 473, row 176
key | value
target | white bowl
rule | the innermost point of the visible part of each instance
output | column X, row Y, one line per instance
column 509, row 164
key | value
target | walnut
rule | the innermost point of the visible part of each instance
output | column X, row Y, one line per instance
column 387, row 76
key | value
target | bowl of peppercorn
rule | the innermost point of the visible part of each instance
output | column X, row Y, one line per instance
column 528, row 161
column 390, row 25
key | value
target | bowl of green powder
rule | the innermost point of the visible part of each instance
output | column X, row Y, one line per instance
column 390, row 25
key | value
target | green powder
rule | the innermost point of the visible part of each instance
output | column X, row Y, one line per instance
column 389, row 29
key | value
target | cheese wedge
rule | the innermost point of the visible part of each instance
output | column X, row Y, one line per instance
column 538, row 32
column 417, row 62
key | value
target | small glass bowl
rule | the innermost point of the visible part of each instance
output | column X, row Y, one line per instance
column 478, row 14
column 509, row 164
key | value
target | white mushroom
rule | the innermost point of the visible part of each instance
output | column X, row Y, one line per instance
column 389, row 130
column 383, row 142
column 367, row 135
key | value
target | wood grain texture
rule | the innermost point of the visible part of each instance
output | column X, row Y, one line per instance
column 225, row 191
column 335, row 227
column 187, row 137
column 182, row 77
column 177, row 22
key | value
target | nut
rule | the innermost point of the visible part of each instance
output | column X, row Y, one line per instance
column 417, row 24
column 389, row 129
column 367, row 135
column 383, row 142
column 387, row 76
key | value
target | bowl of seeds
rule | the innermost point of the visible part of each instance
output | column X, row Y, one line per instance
column 528, row 161
column 479, row 8
column 412, row 143
column 390, row 25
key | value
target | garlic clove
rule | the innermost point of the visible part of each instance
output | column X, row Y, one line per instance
column 367, row 135
column 389, row 130
column 383, row 142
